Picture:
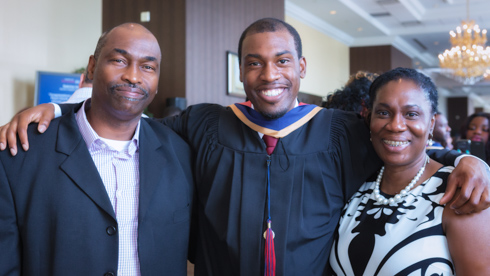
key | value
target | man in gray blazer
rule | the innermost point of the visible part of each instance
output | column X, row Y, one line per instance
column 103, row 191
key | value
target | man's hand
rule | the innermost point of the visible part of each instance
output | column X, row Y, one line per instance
column 472, row 176
column 42, row 114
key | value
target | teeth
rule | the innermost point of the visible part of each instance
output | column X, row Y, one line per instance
column 272, row 92
column 395, row 143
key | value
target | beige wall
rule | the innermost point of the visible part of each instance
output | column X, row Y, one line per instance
column 327, row 60
column 47, row 35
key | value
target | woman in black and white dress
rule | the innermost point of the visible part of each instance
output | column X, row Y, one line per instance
column 395, row 224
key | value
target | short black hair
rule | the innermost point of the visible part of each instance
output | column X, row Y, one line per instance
column 270, row 25
column 421, row 80
column 101, row 43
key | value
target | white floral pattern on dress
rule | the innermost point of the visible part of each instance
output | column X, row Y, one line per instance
column 403, row 238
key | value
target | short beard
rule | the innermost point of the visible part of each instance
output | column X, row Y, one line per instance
column 273, row 116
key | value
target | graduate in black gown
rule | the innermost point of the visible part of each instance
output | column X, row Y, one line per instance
column 295, row 192
column 313, row 171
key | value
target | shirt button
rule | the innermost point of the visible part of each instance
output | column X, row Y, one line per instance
column 111, row 230
column 109, row 274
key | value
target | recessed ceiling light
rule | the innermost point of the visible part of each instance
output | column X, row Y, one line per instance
column 380, row 14
column 333, row 12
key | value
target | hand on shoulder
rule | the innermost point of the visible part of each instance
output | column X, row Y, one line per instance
column 42, row 114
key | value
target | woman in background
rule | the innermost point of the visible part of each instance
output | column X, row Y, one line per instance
column 476, row 129
column 354, row 96
column 395, row 225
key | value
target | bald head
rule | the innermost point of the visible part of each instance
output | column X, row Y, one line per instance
column 125, row 26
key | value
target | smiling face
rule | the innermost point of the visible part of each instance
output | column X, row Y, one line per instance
column 125, row 73
column 401, row 121
column 271, row 71
column 478, row 130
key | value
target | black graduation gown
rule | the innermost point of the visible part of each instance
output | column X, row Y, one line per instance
column 314, row 171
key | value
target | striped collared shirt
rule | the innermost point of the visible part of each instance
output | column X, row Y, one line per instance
column 119, row 171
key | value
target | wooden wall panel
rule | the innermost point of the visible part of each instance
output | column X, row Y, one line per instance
column 213, row 28
column 377, row 59
column 399, row 59
column 170, row 30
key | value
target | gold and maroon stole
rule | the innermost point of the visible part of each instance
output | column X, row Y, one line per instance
column 277, row 128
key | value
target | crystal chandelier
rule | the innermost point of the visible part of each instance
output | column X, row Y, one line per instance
column 468, row 61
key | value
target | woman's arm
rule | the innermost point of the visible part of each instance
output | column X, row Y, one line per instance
column 469, row 241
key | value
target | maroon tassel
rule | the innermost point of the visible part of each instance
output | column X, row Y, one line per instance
column 270, row 254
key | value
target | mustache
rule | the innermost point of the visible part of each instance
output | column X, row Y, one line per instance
column 130, row 85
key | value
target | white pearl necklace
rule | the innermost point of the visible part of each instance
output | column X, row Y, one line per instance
column 398, row 197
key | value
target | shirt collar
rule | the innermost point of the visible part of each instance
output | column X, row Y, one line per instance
column 92, row 139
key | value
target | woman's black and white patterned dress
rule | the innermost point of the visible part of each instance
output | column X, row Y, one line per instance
column 400, row 239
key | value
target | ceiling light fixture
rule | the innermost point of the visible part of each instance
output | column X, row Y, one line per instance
column 468, row 61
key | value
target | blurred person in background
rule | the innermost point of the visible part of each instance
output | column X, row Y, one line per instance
column 441, row 135
column 475, row 129
column 84, row 90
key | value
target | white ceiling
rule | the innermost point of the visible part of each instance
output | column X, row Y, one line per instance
column 419, row 28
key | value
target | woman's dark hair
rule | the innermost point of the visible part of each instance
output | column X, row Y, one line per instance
column 470, row 118
column 466, row 126
column 421, row 80
column 354, row 94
